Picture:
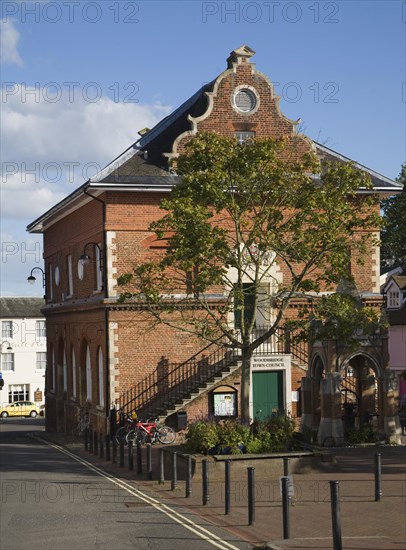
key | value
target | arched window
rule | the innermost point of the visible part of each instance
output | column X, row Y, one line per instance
column 53, row 385
column 64, row 371
column 88, row 375
column 101, row 380
column 73, row 372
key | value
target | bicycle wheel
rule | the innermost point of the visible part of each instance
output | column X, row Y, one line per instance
column 121, row 435
column 166, row 435
column 132, row 436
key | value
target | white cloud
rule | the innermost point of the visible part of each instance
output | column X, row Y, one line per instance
column 9, row 37
column 51, row 148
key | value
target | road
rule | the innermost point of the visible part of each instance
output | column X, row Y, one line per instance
column 54, row 500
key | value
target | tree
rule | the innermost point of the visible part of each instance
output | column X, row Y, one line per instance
column 243, row 215
column 393, row 236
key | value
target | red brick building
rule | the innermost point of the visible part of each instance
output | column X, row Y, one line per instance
column 102, row 354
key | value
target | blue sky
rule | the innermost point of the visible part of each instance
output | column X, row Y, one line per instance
column 79, row 79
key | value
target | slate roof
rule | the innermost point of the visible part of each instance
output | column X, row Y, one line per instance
column 21, row 307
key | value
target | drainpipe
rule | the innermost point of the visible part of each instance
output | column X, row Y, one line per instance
column 106, row 311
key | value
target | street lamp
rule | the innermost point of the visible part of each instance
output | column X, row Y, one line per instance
column 31, row 279
column 9, row 348
column 85, row 258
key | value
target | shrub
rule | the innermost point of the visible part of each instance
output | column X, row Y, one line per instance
column 365, row 434
column 233, row 437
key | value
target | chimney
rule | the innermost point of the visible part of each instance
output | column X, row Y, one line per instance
column 240, row 55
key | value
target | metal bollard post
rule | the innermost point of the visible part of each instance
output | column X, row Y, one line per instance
column 101, row 446
column 188, row 491
column 121, row 453
column 90, row 441
column 285, row 466
column 139, row 457
column 285, row 508
column 161, row 466
column 86, row 439
column 114, row 457
column 251, row 495
column 95, row 444
column 107, row 448
column 149, row 461
column 205, row 482
column 130, row 456
column 378, row 478
column 227, row 490
column 174, row 482
column 335, row 515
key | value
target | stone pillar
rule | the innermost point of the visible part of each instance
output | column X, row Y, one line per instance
column 306, row 391
column 391, row 422
column 331, row 424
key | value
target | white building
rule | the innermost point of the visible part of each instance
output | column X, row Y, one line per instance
column 23, row 350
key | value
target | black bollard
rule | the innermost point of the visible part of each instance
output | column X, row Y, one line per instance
column 90, row 441
column 227, row 489
column 139, row 457
column 205, row 482
column 121, row 453
column 107, row 447
column 188, row 492
column 285, row 507
column 378, row 478
column 335, row 514
column 149, row 461
column 114, row 457
column 95, row 444
column 130, row 455
column 161, row 466
column 101, row 447
column 251, row 495
column 285, row 466
column 86, row 439
column 174, row 482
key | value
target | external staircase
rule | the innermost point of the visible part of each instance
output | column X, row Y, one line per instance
column 172, row 386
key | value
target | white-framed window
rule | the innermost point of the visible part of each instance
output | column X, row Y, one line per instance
column 6, row 329
column 101, row 379
column 7, row 362
column 73, row 373
column 393, row 298
column 40, row 329
column 41, row 363
column 88, row 375
column 64, row 371
column 243, row 136
column 70, row 274
column 18, row 392
column 99, row 272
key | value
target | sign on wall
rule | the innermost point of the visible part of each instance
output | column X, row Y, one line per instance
column 224, row 404
column 270, row 362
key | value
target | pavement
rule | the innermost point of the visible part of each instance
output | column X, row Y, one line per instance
column 365, row 523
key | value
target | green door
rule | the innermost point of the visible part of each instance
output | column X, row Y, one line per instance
column 267, row 393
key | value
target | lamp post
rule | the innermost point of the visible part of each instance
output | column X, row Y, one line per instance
column 85, row 258
column 31, row 279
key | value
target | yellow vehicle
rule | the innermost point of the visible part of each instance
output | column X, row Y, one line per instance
column 20, row 408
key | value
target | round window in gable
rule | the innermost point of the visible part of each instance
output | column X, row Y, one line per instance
column 245, row 100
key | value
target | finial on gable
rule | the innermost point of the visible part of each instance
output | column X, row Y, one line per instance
column 240, row 55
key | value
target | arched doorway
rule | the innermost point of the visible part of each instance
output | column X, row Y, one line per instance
column 360, row 392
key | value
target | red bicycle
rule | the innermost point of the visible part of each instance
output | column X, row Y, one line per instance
column 151, row 432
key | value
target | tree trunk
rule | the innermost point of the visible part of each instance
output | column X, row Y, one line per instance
column 245, row 384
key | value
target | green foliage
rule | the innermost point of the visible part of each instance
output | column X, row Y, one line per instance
column 202, row 436
column 231, row 436
column 393, row 235
column 366, row 434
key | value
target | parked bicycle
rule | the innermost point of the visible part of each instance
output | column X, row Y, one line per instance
column 83, row 424
column 151, row 432
column 123, row 431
